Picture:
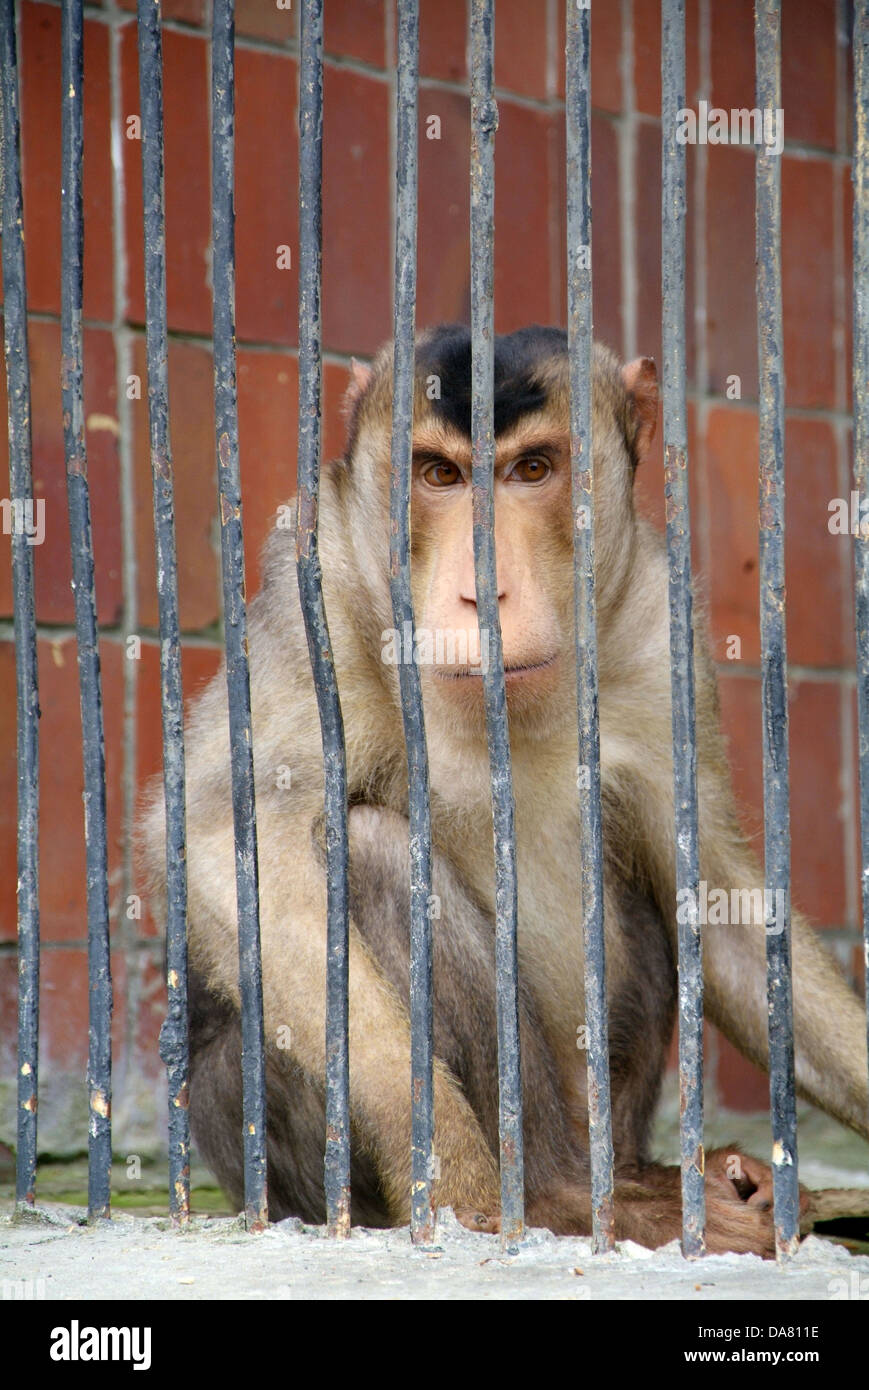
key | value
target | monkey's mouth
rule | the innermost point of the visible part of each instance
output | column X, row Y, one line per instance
column 511, row 673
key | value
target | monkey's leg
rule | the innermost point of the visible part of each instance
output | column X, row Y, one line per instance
column 648, row 1205
column 465, row 1041
column 292, row 917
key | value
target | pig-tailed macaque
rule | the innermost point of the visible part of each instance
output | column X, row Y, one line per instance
column 534, row 544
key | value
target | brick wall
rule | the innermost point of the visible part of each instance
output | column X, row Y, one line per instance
column 530, row 256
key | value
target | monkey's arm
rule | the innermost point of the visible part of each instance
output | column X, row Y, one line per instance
column 829, row 1022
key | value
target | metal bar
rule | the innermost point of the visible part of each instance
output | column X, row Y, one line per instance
column 771, row 521
column 580, row 346
column 99, row 1075
column 484, row 123
column 235, row 613
column 25, row 532
column 860, row 176
column 673, row 211
column 337, row 1161
column 174, row 1042
column 419, row 810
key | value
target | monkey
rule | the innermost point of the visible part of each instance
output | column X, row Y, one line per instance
column 534, row 547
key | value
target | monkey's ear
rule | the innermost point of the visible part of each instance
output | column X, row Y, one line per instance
column 360, row 375
column 640, row 379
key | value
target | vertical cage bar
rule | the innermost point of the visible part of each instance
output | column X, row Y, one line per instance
column 484, row 123
column 419, row 810
column 174, row 1043
column 87, row 635
column 771, row 521
column 673, row 213
column 24, row 527
column 234, row 611
column 580, row 347
column 860, row 177
column 337, row 1161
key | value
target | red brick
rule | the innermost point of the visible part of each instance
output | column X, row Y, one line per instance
column 818, row 867
column 730, row 272
column 356, row 31
column 606, row 236
column 63, row 1013
column 62, row 892
column 731, row 464
column 188, row 194
column 185, row 11
column 357, row 260
column 526, row 289
column 191, row 415
column 732, row 54
column 606, row 42
column 647, row 54
column 259, row 20
column 808, row 72
column 817, row 565
column 739, row 1084
column 845, row 191
column 443, row 247
column 52, row 564
column 818, row 851
column 808, row 311
column 268, row 393
column 648, row 247
column 443, row 39
column 41, row 154
column 267, row 180
column 520, row 48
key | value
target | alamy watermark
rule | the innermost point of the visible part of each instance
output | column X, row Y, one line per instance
column 740, row 907
column 22, row 516
column 712, row 125
column 422, row 646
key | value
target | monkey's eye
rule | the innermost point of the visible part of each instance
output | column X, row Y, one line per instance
column 442, row 474
column 531, row 470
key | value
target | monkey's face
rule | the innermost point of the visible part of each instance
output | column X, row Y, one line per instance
column 534, row 570
column 533, row 514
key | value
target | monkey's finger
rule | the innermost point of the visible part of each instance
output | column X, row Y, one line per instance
column 479, row 1221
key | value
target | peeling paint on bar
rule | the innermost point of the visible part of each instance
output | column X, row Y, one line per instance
column 235, row 613
column 676, row 476
column 771, row 517
column 99, row 1073
column 484, row 122
column 337, row 1161
column 174, row 1040
column 26, row 676
column 419, row 810
column 860, row 176
column 580, row 340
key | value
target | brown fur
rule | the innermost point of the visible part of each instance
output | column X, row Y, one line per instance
column 534, row 546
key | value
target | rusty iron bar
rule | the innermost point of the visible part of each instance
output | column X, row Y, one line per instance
column 771, row 524
column 337, row 1159
column 419, row 809
column 484, row 123
column 99, row 1071
column 25, row 530
column 860, row 177
column 581, row 353
column 673, row 213
column 235, row 612
column 174, row 1039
